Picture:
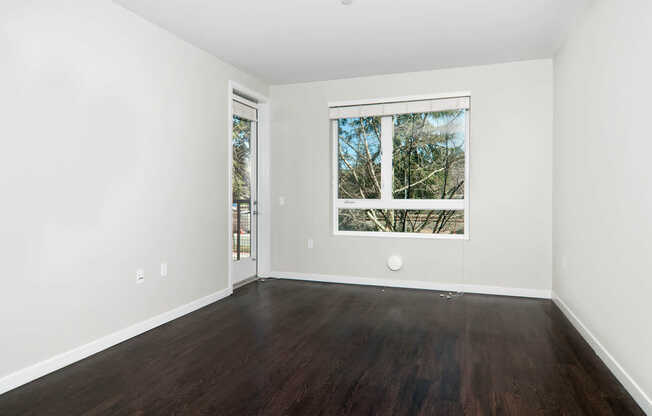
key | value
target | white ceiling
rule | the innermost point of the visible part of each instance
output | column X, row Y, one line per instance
column 284, row 41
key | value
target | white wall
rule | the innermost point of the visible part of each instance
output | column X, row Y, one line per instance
column 511, row 150
column 602, row 182
column 113, row 157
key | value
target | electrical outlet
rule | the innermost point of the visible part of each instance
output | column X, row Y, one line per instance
column 140, row 276
column 164, row 269
column 311, row 243
column 281, row 200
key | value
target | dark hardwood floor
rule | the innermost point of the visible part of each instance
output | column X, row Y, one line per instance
column 299, row 348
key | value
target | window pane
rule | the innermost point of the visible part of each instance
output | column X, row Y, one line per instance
column 401, row 221
column 241, row 158
column 428, row 155
column 241, row 187
column 358, row 158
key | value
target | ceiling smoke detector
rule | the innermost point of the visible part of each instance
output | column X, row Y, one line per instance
column 346, row 2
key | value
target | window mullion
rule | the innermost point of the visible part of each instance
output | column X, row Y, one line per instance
column 386, row 143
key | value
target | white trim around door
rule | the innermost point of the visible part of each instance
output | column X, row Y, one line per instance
column 263, row 227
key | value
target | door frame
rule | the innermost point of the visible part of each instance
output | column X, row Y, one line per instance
column 263, row 224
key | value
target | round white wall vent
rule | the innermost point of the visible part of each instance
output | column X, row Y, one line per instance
column 394, row 263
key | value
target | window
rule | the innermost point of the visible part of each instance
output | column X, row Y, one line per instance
column 400, row 167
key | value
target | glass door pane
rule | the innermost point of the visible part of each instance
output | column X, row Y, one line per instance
column 242, row 186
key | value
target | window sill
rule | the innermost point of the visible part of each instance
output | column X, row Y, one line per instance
column 421, row 236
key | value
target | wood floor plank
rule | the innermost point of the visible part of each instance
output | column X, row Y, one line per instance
column 304, row 348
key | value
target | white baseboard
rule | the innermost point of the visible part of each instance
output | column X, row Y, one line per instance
column 625, row 379
column 415, row 284
column 50, row 365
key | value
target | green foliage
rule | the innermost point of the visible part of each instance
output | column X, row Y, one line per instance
column 428, row 155
column 428, row 162
column 359, row 158
column 241, row 140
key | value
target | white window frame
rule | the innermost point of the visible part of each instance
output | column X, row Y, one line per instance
column 387, row 201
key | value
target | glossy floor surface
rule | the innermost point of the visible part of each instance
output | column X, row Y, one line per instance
column 300, row 348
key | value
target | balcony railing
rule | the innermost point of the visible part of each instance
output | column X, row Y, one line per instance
column 241, row 216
